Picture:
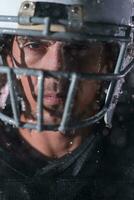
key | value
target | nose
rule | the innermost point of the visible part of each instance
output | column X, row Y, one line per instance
column 53, row 59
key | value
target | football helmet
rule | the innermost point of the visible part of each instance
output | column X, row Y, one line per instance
column 74, row 21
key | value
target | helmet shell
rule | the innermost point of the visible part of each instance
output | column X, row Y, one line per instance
column 104, row 11
column 117, row 12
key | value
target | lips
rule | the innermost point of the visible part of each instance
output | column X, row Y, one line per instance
column 53, row 99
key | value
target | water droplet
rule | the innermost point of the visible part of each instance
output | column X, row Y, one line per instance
column 98, row 1
column 8, row 144
column 71, row 143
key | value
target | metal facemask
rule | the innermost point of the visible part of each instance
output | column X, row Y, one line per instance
column 75, row 21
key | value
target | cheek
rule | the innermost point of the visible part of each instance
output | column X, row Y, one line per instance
column 86, row 96
column 30, row 59
column 29, row 86
column 88, row 90
column 33, row 61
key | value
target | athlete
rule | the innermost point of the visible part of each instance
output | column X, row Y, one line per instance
column 63, row 67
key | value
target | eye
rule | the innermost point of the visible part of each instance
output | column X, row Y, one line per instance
column 34, row 45
column 37, row 47
column 77, row 49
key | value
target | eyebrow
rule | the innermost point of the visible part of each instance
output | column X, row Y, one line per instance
column 24, row 39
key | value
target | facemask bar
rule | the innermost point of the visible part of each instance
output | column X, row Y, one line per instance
column 115, row 88
column 121, row 32
column 69, row 103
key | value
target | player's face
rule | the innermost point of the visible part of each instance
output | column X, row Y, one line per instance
column 58, row 56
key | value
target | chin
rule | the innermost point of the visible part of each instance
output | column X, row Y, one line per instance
column 50, row 118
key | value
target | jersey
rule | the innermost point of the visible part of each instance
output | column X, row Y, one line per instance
column 102, row 168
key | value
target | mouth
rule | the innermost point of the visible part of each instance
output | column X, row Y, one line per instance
column 52, row 99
